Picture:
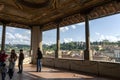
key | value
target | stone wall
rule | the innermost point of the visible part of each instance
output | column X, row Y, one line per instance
column 93, row 67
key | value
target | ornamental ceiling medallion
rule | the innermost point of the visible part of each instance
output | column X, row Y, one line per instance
column 34, row 3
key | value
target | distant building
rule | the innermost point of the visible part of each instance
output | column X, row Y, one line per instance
column 117, row 55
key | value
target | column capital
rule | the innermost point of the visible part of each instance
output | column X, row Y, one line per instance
column 58, row 21
column 30, row 26
column 41, row 26
column 5, row 22
column 86, row 11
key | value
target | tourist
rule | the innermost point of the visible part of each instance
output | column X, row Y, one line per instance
column 3, row 57
column 12, row 59
column 20, row 62
column 3, row 71
column 39, row 57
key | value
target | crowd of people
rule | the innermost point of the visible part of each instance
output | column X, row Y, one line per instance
column 12, row 59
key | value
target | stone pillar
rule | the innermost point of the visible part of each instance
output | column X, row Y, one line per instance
column 87, row 34
column 31, row 41
column 3, row 37
column 31, row 38
column 36, row 41
column 57, row 53
column 40, row 45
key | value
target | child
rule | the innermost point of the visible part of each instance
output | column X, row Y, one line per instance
column 3, row 71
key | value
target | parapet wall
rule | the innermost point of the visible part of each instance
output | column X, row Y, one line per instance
column 94, row 67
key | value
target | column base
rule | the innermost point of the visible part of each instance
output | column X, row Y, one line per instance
column 88, row 55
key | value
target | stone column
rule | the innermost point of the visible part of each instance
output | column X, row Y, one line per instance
column 31, row 38
column 40, row 45
column 3, row 37
column 57, row 53
column 31, row 41
column 87, row 34
column 36, row 41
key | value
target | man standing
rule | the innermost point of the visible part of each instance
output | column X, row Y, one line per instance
column 39, row 57
column 20, row 62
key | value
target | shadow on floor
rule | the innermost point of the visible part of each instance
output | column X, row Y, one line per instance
column 36, row 77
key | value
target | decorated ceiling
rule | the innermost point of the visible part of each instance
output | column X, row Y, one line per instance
column 45, row 13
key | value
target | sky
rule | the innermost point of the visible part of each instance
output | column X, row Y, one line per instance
column 100, row 29
column 16, row 35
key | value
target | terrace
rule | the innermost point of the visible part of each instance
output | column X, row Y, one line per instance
column 39, row 16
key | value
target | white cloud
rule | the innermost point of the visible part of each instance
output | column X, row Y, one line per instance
column 11, row 29
column 22, row 37
column 81, row 24
column 73, row 26
column 63, row 29
column 111, row 38
column 1, row 28
column 43, row 33
column 48, row 42
column 10, row 36
column 97, row 33
column 17, row 35
column 28, row 32
column 66, row 40
column 17, row 38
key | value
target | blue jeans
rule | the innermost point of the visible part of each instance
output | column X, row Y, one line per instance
column 39, row 65
column 20, row 66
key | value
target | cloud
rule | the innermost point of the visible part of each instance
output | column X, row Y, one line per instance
column 66, row 40
column 28, row 32
column 48, row 42
column 11, row 29
column 97, row 33
column 16, row 35
column 22, row 37
column 0, row 28
column 63, row 29
column 43, row 33
column 73, row 26
column 80, row 24
column 111, row 38
column 17, row 38
column 10, row 36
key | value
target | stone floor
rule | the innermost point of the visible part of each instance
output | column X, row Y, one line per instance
column 51, row 74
